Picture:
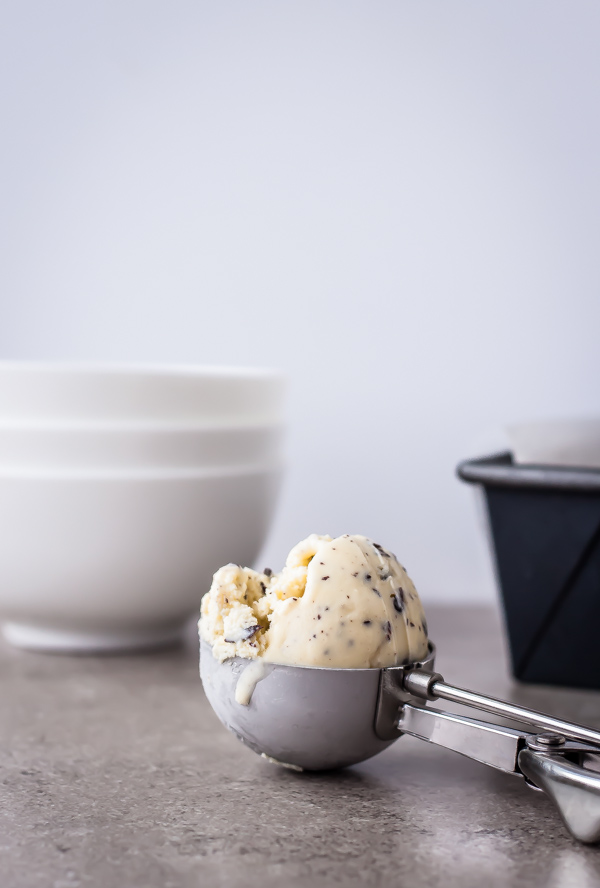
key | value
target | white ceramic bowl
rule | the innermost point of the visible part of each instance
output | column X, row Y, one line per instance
column 119, row 446
column 117, row 562
column 113, row 393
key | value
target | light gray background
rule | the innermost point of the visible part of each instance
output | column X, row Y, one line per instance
column 396, row 202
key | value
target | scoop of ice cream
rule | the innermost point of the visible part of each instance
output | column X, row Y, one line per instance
column 342, row 603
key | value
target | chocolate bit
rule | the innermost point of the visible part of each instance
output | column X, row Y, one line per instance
column 355, row 574
column 263, row 587
column 384, row 575
column 376, row 591
column 411, row 624
column 244, row 634
column 399, row 600
column 387, row 628
column 424, row 621
column 318, row 616
column 367, row 576
column 381, row 550
column 267, row 571
column 366, row 622
column 325, row 578
column 250, row 631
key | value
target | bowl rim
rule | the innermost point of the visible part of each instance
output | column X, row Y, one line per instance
column 163, row 473
column 41, row 425
column 151, row 370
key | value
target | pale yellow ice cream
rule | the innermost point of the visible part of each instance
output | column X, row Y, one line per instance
column 342, row 603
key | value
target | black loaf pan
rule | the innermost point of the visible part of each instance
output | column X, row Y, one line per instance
column 545, row 525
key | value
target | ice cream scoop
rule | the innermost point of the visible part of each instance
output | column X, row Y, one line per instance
column 311, row 700
column 310, row 718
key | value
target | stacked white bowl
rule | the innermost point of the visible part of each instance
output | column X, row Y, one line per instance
column 122, row 490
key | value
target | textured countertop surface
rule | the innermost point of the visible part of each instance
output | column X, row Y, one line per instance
column 115, row 772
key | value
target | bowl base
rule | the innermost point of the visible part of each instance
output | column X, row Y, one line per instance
column 35, row 638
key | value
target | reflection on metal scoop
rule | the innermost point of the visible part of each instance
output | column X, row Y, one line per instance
column 319, row 718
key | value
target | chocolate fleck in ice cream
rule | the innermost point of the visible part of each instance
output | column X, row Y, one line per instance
column 342, row 603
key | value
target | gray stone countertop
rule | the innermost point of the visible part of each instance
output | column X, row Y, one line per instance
column 115, row 772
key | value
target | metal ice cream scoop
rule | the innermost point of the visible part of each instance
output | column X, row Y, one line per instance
column 311, row 718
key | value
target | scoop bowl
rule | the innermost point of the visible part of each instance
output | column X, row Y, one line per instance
column 304, row 717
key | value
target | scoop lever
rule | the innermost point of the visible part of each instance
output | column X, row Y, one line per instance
column 551, row 761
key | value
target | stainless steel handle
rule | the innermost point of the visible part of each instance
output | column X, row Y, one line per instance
column 545, row 760
column 574, row 790
column 431, row 686
column 490, row 744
